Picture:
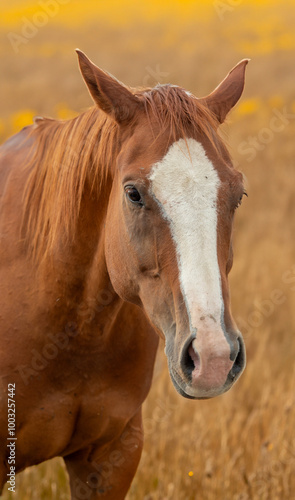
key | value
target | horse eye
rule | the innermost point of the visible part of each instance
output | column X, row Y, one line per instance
column 133, row 195
column 241, row 199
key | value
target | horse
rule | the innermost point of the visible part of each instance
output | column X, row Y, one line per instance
column 116, row 230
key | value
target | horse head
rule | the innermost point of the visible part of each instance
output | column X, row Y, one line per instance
column 168, row 229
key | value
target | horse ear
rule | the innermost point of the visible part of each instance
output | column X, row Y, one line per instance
column 228, row 92
column 108, row 93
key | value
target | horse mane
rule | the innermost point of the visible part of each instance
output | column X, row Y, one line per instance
column 68, row 155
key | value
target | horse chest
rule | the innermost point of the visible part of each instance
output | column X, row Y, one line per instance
column 60, row 421
column 73, row 401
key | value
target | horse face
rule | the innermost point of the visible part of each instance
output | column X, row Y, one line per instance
column 168, row 248
column 168, row 229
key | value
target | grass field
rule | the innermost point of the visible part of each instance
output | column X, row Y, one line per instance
column 239, row 446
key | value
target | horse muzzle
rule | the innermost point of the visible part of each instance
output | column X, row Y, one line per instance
column 206, row 369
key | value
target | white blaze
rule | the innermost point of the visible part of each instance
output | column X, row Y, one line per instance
column 185, row 185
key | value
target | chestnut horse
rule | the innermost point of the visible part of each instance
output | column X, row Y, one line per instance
column 116, row 227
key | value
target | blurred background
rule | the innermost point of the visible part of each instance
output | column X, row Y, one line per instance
column 241, row 445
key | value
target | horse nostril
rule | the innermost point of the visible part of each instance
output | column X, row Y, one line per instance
column 189, row 359
column 194, row 357
column 239, row 362
column 187, row 364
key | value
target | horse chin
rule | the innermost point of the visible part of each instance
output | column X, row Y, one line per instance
column 179, row 389
column 189, row 392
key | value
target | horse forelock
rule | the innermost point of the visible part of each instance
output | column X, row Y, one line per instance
column 182, row 114
column 68, row 155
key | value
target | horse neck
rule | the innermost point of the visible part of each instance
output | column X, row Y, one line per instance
column 77, row 276
column 75, row 267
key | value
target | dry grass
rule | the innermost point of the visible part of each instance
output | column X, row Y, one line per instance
column 242, row 445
